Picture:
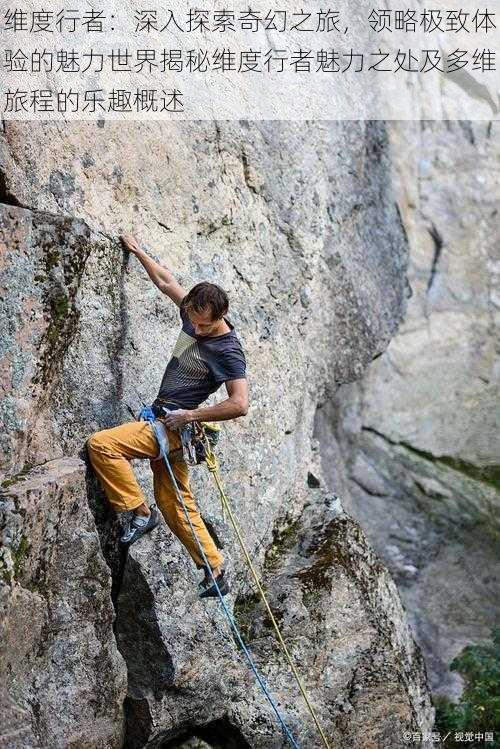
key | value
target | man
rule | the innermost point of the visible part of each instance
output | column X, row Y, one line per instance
column 207, row 354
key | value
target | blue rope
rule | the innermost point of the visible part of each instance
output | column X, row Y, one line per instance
column 148, row 415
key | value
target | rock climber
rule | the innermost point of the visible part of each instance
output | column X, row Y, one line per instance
column 206, row 355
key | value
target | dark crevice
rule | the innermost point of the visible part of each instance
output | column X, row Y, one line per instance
column 438, row 246
column 117, row 357
column 107, row 528
column 6, row 196
column 135, row 627
column 468, row 130
column 401, row 225
column 218, row 734
column 312, row 481
column 246, row 173
column 213, row 533
column 485, row 474
column 378, row 355
column 368, row 491
column 164, row 226
column 149, row 663
column 379, row 434
column 242, row 277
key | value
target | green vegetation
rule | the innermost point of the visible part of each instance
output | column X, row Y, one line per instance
column 283, row 540
column 20, row 476
column 486, row 474
column 51, row 256
column 19, row 555
column 244, row 613
column 60, row 311
column 67, row 254
column 478, row 710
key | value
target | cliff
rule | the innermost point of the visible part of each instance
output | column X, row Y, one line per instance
column 416, row 440
column 301, row 227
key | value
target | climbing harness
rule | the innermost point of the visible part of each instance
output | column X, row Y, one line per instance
column 200, row 433
column 198, row 439
column 192, row 449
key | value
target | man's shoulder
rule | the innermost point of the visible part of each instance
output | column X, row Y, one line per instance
column 232, row 352
column 232, row 340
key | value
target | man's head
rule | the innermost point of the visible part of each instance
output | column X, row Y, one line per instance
column 206, row 304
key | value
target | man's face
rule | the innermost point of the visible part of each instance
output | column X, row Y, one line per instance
column 202, row 322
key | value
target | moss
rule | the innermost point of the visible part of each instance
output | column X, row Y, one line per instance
column 60, row 306
column 51, row 257
column 284, row 539
column 325, row 553
column 487, row 474
column 493, row 525
column 278, row 616
column 59, row 298
column 19, row 555
column 36, row 587
column 20, row 476
column 330, row 549
column 250, row 614
column 312, row 600
column 60, row 312
column 244, row 615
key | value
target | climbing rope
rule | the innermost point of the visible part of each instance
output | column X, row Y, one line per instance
column 147, row 415
column 213, row 467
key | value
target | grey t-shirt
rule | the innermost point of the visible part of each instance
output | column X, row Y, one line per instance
column 200, row 365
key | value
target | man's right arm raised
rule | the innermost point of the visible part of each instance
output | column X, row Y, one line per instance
column 160, row 276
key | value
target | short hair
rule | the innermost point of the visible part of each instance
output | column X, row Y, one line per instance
column 205, row 295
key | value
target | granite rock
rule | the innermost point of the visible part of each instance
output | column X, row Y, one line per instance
column 301, row 227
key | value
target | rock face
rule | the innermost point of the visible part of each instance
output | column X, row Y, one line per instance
column 415, row 445
column 301, row 228
column 63, row 680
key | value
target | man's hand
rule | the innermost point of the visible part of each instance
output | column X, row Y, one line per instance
column 160, row 276
column 177, row 419
column 130, row 243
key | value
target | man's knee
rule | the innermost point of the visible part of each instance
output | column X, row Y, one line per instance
column 95, row 442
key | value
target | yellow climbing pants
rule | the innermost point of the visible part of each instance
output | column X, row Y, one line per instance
column 111, row 451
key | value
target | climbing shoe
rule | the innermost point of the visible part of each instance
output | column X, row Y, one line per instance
column 208, row 589
column 207, row 579
column 137, row 527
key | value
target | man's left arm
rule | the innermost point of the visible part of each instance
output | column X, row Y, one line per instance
column 235, row 405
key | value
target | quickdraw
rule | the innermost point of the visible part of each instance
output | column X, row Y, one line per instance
column 198, row 438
